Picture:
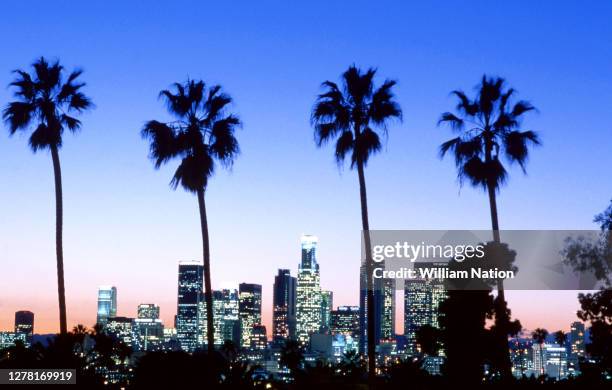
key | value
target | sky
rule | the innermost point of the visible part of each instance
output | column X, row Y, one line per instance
column 126, row 227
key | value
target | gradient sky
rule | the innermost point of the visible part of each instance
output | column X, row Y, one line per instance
column 124, row 225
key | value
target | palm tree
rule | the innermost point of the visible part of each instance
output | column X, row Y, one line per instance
column 488, row 128
column 560, row 338
column 202, row 133
column 539, row 336
column 46, row 101
column 351, row 115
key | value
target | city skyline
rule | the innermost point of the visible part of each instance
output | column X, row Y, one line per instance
column 107, row 301
column 130, row 229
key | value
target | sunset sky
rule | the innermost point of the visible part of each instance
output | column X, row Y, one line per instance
column 126, row 227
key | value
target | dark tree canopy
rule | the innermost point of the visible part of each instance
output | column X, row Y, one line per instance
column 202, row 133
column 488, row 128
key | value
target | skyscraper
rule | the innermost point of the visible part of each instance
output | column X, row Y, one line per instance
column 577, row 348
column 217, row 310
column 107, row 304
column 121, row 328
column 148, row 328
column 384, row 309
column 345, row 321
column 230, row 316
column 259, row 339
column 189, row 296
column 24, row 324
column 308, row 301
column 283, row 309
column 421, row 301
column 327, row 305
column 249, row 296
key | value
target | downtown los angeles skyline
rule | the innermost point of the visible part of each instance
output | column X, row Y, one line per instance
column 124, row 226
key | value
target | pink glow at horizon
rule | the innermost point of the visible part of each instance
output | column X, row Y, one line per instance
column 553, row 310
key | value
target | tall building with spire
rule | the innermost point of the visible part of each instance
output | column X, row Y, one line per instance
column 283, row 307
column 190, row 295
column 308, row 302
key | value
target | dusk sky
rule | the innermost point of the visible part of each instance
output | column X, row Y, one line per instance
column 125, row 226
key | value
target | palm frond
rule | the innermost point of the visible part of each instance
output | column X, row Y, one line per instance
column 163, row 143
column 44, row 137
column 223, row 144
column 521, row 107
column 71, row 123
column 383, row 107
column 26, row 87
column 516, row 146
column 193, row 172
column 358, row 85
column 325, row 132
column 344, row 145
column 366, row 144
column 465, row 106
column 455, row 123
column 18, row 115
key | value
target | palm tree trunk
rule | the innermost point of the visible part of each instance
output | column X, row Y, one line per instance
column 501, row 316
column 59, row 249
column 207, row 286
column 369, row 280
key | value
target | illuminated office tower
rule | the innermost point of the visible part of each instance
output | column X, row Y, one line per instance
column 107, row 304
column 259, row 339
column 189, row 297
column 327, row 305
column 217, row 298
column 384, row 309
column 421, row 301
column 550, row 359
column 122, row 328
column 230, row 316
column 148, row 328
column 283, row 309
column 24, row 324
column 249, row 297
column 577, row 350
column 345, row 321
column 308, row 301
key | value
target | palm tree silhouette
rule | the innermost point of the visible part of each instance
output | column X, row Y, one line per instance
column 539, row 336
column 560, row 338
column 46, row 102
column 202, row 133
column 488, row 128
column 351, row 115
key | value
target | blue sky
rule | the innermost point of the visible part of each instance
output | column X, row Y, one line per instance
column 125, row 226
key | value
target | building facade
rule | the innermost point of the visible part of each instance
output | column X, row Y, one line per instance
column 308, row 300
column 190, row 284
column 249, row 307
column 24, row 324
column 327, row 305
column 384, row 309
column 284, row 307
column 107, row 304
